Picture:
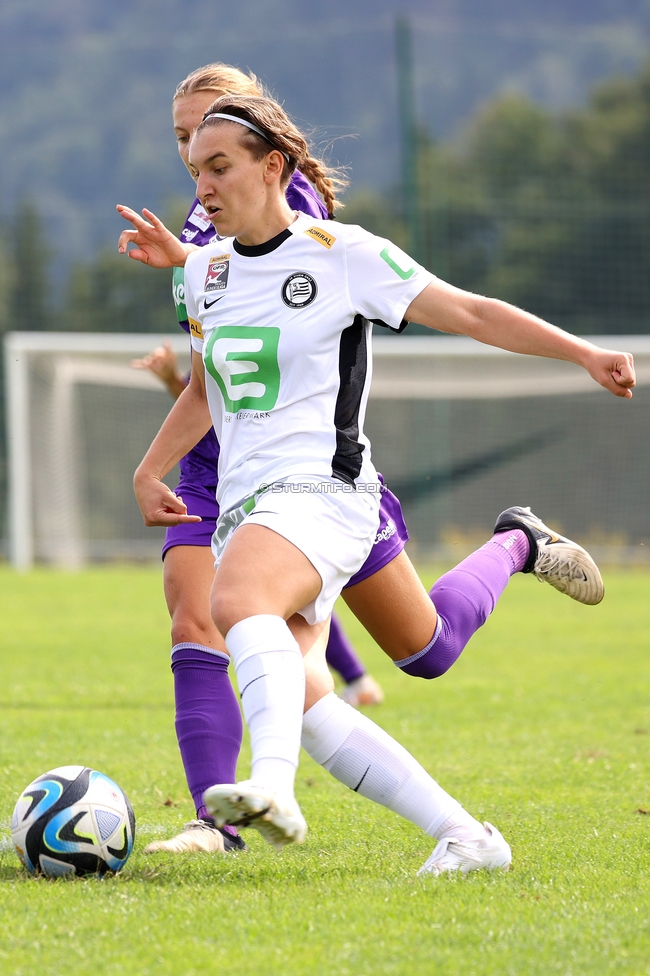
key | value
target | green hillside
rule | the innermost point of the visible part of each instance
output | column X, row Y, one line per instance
column 86, row 86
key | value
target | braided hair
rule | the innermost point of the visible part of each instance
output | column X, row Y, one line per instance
column 282, row 134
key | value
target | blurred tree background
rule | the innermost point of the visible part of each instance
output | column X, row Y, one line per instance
column 104, row 294
column 546, row 210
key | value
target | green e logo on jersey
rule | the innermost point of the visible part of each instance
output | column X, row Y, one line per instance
column 178, row 291
column 400, row 262
column 243, row 361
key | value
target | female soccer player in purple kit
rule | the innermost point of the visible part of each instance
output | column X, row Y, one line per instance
column 285, row 556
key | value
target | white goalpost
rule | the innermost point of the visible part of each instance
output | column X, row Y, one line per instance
column 458, row 429
column 45, row 372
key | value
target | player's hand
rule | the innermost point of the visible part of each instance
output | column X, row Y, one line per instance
column 159, row 504
column 155, row 244
column 613, row 370
column 161, row 362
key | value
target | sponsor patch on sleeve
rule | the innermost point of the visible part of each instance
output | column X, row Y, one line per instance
column 321, row 236
column 398, row 261
column 195, row 329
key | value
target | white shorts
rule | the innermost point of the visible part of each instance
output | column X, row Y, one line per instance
column 332, row 524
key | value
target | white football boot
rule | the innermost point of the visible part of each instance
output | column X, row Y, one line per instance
column 555, row 559
column 492, row 853
column 198, row 836
column 278, row 819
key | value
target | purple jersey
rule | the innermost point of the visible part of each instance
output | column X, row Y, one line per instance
column 200, row 465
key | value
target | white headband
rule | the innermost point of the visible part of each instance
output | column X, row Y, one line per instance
column 249, row 125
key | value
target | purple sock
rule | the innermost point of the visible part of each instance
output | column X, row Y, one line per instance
column 340, row 654
column 464, row 598
column 208, row 719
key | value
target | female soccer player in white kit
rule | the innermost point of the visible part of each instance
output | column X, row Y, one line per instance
column 280, row 318
column 207, row 713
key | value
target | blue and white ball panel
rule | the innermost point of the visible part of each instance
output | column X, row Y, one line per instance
column 55, row 869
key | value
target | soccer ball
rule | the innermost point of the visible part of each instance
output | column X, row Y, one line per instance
column 73, row 820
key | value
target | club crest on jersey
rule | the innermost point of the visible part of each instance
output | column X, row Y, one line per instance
column 217, row 277
column 299, row 290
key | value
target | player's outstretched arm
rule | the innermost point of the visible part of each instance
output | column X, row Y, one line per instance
column 163, row 363
column 155, row 244
column 187, row 422
column 448, row 309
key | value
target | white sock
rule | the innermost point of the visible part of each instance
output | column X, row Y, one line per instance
column 364, row 757
column 271, row 679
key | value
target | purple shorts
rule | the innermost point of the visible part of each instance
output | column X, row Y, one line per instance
column 391, row 537
column 200, row 500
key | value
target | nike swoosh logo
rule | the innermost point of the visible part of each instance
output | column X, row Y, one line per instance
column 123, row 851
column 356, row 788
column 207, row 304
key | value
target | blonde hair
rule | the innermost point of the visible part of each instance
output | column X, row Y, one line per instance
column 281, row 134
column 218, row 77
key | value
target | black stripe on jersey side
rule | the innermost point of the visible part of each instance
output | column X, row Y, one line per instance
column 258, row 250
column 385, row 325
column 353, row 369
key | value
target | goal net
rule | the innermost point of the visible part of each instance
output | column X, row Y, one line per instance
column 459, row 430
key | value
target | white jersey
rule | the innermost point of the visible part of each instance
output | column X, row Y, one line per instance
column 284, row 329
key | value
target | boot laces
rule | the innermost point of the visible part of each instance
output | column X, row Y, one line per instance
column 557, row 564
column 198, row 825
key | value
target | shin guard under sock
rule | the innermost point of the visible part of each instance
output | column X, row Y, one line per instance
column 271, row 678
column 208, row 719
column 364, row 757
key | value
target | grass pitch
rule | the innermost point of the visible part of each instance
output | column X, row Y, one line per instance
column 543, row 728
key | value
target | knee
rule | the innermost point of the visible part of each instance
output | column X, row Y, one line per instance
column 226, row 608
column 425, row 667
column 190, row 626
column 437, row 658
